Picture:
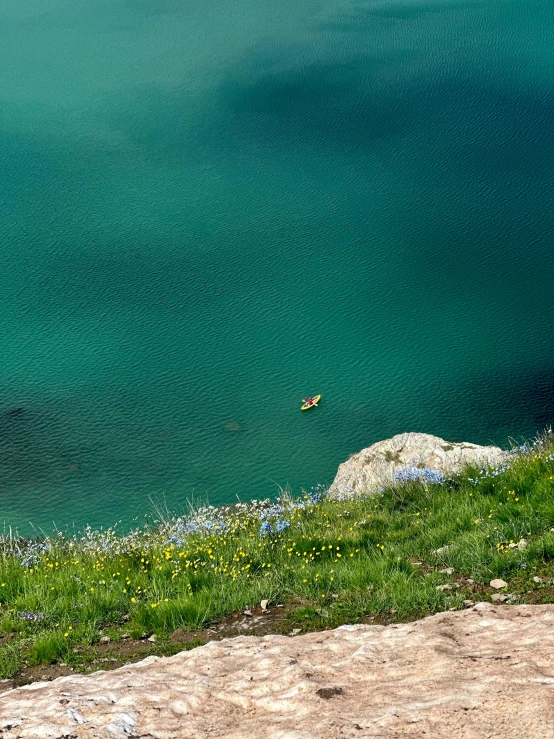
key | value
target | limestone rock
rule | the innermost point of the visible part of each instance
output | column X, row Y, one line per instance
column 498, row 584
column 480, row 672
column 374, row 467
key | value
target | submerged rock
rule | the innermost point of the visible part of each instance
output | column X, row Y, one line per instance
column 480, row 672
column 233, row 426
column 374, row 467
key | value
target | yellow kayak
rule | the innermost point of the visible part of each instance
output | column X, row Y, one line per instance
column 310, row 402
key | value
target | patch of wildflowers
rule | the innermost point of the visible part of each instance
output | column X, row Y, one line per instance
column 30, row 616
column 417, row 474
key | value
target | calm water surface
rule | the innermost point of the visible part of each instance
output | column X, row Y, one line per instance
column 209, row 210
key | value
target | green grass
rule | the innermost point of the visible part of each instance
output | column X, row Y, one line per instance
column 335, row 561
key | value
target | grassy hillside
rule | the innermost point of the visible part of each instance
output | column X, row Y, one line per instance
column 405, row 553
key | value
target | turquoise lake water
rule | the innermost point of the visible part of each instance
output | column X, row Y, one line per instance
column 210, row 210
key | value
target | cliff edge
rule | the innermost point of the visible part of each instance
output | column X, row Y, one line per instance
column 483, row 672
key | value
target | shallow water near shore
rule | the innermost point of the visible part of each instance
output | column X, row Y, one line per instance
column 211, row 211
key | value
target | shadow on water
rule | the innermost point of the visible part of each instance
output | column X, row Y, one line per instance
column 415, row 11
column 33, row 448
column 511, row 404
column 505, row 128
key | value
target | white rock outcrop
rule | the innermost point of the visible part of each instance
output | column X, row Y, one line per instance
column 374, row 467
column 484, row 672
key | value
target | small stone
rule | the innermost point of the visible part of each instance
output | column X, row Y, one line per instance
column 263, row 605
column 447, row 571
column 447, row 586
column 522, row 543
column 127, row 720
column 125, row 636
column 497, row 584
column 76, row 716
column 122, row 725
column 442, row 550
column 295, row 632
column 499, row 597
column 11, row 723
column 248, row 612
column 152, row 638
column 469, row 603
column 105, row 640
column 470, row 581
column 327, row 693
